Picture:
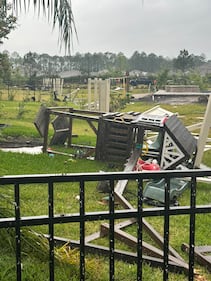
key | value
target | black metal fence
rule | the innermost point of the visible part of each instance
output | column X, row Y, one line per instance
column 139, row 213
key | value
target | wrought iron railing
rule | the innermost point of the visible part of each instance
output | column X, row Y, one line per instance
column 137, row 213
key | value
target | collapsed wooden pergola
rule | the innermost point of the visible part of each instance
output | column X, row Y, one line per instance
column 120, row 137
column 119, row 134
column 62, row 124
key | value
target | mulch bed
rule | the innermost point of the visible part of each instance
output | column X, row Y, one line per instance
column 13, row 142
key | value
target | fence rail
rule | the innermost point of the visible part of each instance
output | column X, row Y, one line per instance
column 137, row 213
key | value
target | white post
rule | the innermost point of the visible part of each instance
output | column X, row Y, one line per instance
column 96, row 94
column 124, row 85
column 104, row 95
column 89, row 93
column 54, row 85
column 203, row 135
column 61, row 85
column 107, row 95
column 101, row 95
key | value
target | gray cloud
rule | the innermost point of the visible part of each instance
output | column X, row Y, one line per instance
column 160, row 26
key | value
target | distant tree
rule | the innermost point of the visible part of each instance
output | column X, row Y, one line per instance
column 98, row 62
column 7, row 21
column 17, row 78
column 44, row 63
column 86, row 64
column 30, row 63
column 16, row 60
column 162, row 78
column 144, row 61
column 31, row 68
column 199, row 60
column 5, row 69
column 77, row 61
column 57, row 64
column 121, row 63
column 199, row 80
column 208, row 78
column 135, row 61
column 152, row 62
column 184, row 61
column 110, row 59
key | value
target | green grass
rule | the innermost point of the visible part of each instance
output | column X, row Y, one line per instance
column 22, row 163
column 34, row 200
column 189, row 114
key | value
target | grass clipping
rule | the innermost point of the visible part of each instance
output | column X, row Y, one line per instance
column 38, row 244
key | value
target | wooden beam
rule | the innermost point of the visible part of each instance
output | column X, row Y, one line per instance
column 203, row 135
column 92, row 126
column 120, row 254
column 201, row 254
column 46, row 128
column 131, row 241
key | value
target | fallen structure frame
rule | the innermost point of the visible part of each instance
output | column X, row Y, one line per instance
column 62, row 124
column 119, row 134
column 120, row 138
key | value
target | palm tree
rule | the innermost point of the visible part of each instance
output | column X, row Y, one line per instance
column 59, row 12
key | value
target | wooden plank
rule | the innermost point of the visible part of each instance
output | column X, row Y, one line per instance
column 120, row 198
column 114, row 158
column 60, row 122
column 116, row 151
column 117, row 138
column 62, row 130
column 70, row 126
column 159, row 239
column 121, row 184
column 98, row 234
column 59, row 137
column 116, row 144
column 117, row 130
column 74, row 115
column 59, row 153
column 201, row 254
column 148, row 249
column 204, row 132
column 83, row 146
column 40, row 121
column 119, row 189
column 92, row 126
column 194, row 127
column 120, row 254
column 46, row 128
column 92, row 237
column 126, row 223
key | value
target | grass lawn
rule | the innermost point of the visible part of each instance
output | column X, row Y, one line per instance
column 34, row 200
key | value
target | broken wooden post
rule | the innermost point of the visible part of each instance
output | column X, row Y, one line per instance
column 203, row 135
column 46, row 127
column 69, row 140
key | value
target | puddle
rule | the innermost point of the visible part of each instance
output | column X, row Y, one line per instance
column 28, row 150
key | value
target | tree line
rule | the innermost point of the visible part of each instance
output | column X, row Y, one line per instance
column 14, row 67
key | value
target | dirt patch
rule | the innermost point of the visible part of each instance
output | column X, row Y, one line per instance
column 11, row 142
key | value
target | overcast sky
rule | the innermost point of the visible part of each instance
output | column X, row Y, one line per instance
column 162, row 27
